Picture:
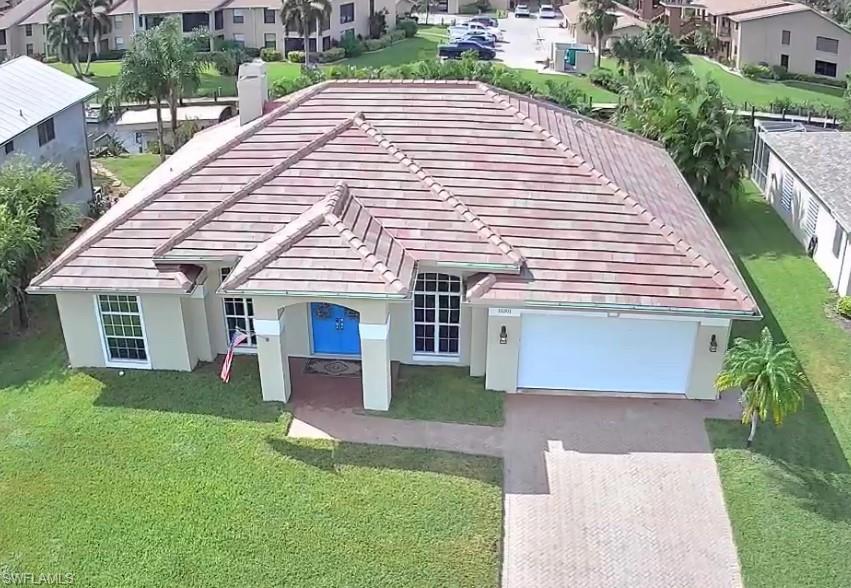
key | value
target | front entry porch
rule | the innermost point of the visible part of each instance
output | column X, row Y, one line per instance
column 350, row 329
column 314, row 389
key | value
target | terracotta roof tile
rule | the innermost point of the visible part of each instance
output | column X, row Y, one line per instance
column 547, row 207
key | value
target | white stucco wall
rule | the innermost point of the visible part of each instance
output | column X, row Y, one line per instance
column 758, row 41
column 796, row 220
column 69, row 148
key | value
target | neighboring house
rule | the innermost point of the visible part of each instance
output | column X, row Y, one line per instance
column 253, row 23
column 805, row 176
column 42, row 116
column 426, row 222
column 136, row 128
column 772, row 32
column 627, row 25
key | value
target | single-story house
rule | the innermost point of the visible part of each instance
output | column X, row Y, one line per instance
column 422, row 222
column 137, row 128
column 805, row 177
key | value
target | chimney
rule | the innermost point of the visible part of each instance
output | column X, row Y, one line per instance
column 252, row 88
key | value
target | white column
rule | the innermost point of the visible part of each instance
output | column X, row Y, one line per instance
column 272, row 359
column 478, row 340
column 375, row 365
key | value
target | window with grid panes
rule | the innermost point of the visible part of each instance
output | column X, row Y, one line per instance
column 121, row 319
column 239, row 315
column 437, row 313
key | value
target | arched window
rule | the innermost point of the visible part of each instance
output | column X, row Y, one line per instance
column 437, row 314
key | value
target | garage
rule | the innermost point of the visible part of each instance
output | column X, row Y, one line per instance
column 606, row 354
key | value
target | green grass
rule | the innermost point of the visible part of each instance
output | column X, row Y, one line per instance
column 789, row 498
column 444, row 393
column 104, row 74
column 174, row 479
column 131, row 169
column 740, row 90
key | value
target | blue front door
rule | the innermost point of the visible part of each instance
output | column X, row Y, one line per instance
column 335, row 329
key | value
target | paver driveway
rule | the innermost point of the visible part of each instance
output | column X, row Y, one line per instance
column 614, row 492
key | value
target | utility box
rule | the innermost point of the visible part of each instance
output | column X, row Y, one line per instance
column 572, row 57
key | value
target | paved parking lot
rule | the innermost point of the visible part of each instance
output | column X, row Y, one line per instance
column 527, row 41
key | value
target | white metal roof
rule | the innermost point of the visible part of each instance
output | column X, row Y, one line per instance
column 33, row 92
column 148, row 117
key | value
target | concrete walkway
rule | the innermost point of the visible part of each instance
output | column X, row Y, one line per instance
column 606, row 492
column 347, row 425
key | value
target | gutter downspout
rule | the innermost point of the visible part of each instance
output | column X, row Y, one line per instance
column 842, row 270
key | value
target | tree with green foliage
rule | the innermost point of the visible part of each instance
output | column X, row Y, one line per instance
column 65, row 32
column 661, row 45
column 94, row 20
column 33, row 221
column 705, row 40
column 162, row 67
column 629, row 52
column 770, row 377
column 299, row 14
column 598, row 18
column 689, row 117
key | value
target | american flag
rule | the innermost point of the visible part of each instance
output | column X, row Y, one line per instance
column 237, row 338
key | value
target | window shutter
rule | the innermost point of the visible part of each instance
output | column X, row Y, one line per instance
column 787, row 187
column 812, row 217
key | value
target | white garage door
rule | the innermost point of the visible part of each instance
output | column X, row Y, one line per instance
column 568, row 352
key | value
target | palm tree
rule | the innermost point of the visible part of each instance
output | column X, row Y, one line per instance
column 598, row 19
column 94, row 20
column 299, row 14
column 628, row 51
column 770, row 378
column 64, row 32
column 661, row 45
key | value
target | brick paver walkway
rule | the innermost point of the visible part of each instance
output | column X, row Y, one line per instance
column 614, row 492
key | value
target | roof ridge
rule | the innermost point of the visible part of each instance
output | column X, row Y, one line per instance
column 250, row 187
column 444, row 194
column 95, row 232
column 657, row 224
column 293, row 231
column 336, row 222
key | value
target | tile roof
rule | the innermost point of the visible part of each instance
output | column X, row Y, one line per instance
column 719, row 7
column 821, row 161
column 349, row 185
column 33, row 92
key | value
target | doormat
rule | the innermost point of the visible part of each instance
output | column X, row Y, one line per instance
column 342, row 368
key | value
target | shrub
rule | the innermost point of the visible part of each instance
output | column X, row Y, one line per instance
column 376, row 44
column 408, row 25
column 843, row 306
column 377, row 24
column 605, row 79
column 352, row 46
column 295, row 56
column 225, row 62
column 397, row 35
column 777, row 72
column 268, row 54
column 109, row 55
column 756, row 72
column 251, row 52
column 333, row 54
column 566, row 94
column 468, row 9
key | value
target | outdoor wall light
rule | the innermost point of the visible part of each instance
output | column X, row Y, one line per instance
column 713, row 344
column 503, row 335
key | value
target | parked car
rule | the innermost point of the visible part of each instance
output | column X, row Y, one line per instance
column 482, row 38
column 455, row 50
column 522, row 11
column 477, row 26
column 546, row 11
column 459, row 34
column 488, row 21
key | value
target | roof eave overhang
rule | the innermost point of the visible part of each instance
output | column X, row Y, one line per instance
column 303, row 294
column 637, row 308
column 78, row 289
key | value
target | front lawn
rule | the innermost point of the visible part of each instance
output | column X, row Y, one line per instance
column 740, row 90
column 130, row 168
column 789, row 498
column 173, row 479
column 444, row 393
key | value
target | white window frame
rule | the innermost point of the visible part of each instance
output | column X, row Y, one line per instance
column 122, row 363
column 437, row 356
column 245, row 348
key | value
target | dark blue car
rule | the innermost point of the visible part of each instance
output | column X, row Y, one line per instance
column 479, row 38
column 455, row 50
